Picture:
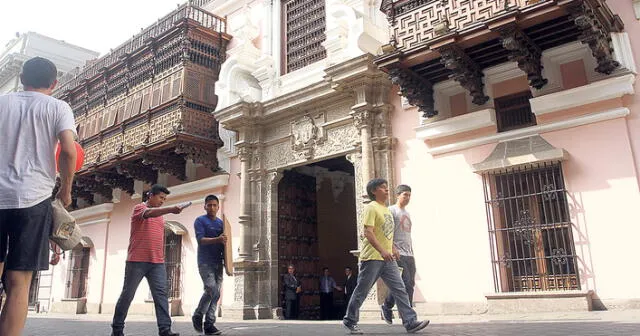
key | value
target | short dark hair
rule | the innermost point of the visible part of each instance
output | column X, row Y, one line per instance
column 158, row 188
column 373, row 185
column 325, row 269
column 402, row 188
column 38, row 73
column 211, row 198
column 347, row 268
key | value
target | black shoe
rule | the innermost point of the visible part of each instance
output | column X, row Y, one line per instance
column 197, row 323
column 168, row 332
column 212, row 331
column 417, row 326
column 387, row 314
column 117, row 333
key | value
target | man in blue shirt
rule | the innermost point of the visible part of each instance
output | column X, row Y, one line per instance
column 211, row 242
column 327, row 285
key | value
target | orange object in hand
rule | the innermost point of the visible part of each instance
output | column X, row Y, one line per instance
column 79, row 156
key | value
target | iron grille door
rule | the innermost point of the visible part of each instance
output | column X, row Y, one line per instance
column 514, row 111
column 173, row 263
column 532, row 246
column 78, row 273
column 304, row 27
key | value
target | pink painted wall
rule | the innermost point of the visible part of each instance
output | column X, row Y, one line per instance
column 450, row 220
column 632, row 27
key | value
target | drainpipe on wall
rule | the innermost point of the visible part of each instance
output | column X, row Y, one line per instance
column 104, row 265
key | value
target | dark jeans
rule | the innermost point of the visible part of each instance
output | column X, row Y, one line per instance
column 212, row 279
column 370, row 271
column 326, row 306
column 291, row 309
column 408, row 265
column 156, row 275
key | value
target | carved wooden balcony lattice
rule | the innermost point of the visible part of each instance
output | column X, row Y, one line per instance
column 146, row 106
column 305, row 26
column 436, row 40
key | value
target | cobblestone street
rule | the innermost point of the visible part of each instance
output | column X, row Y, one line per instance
column 579, row 325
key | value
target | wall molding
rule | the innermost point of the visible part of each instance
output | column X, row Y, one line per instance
column 101, row 210
column 460, row 124
column 534, row 130
column 603, row 90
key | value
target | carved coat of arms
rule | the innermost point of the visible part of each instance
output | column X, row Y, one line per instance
column 305, row 135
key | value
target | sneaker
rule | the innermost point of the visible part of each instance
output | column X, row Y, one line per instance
column 117, row 333
column 417, row 326
column 387, row 314
column 212, row 331
column 168, row 332
column 197, row 323
column 352, row 329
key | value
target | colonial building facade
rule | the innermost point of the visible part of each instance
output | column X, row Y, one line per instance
column 515, row 122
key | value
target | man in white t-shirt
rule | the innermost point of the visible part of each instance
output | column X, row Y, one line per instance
column 31, row 124
column 403, row 246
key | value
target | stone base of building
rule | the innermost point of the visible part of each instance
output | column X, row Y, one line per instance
column 616, row 304
column 248, row 313
column 534, row 302
column 70, row 306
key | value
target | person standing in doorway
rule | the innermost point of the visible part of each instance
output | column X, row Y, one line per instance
column 31, row 125
column 292, row 290
column 378, row 260
column 349, row 284
column 211, row 239
column 402, row 243
column 327, row 285
column 146, row 260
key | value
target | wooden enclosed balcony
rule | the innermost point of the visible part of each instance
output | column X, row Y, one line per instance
column 437, row 40
column 146, row 106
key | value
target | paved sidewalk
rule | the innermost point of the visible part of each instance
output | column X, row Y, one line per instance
column 626, row 323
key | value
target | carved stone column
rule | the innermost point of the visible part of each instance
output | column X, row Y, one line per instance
column 245, row 245
column 362, row 117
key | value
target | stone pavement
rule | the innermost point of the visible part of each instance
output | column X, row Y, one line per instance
column 624, row 323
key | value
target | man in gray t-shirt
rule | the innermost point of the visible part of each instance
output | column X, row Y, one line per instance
column 403, row 247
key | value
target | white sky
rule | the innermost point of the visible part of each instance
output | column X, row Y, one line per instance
column 92, row 24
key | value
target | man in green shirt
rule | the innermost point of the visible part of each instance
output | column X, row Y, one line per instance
column 378, row 260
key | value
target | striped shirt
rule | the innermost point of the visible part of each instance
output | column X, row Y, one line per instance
column 147, row 237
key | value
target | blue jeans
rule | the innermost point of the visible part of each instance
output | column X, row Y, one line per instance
column 212, row 279
column 408, row 265
column 156, row 275
column 370, row 271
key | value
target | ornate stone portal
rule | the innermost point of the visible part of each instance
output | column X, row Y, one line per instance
column 348, row 115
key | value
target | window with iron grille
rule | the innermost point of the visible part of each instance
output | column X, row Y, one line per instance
column 532, row 246
column 514, row 111
column 304, row 24
column 173, row 261
column 78, row 273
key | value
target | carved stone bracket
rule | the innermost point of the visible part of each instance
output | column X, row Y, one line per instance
column 418, row 91
column 525, row 52
column 91, row 185
column 362, row 119
column 202, row 155
column 138, row 171
column 169, row 164
column 465, row 71
column 115, row 180
column 596, row 32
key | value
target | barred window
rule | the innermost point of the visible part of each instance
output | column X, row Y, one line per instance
column 304, row 31
column 78, row 273
column 531, row 240
column 514, row 111
column 173, row 262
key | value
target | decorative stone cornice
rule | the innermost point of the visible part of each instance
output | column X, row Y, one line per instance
column 465, row 71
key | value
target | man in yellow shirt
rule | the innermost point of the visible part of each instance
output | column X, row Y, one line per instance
column 378, row 260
